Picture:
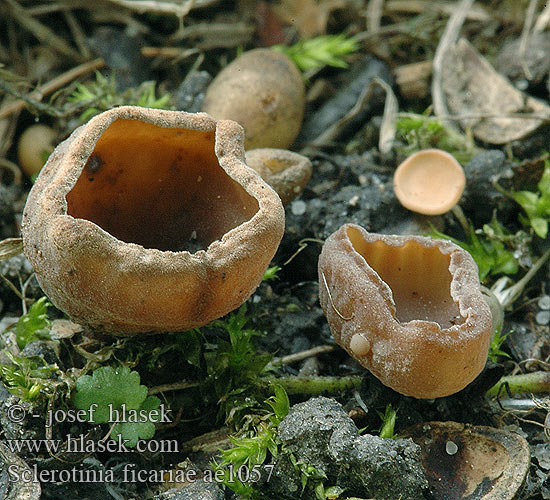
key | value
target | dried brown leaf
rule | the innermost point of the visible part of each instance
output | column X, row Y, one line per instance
column 10, row 247
column 486, row 101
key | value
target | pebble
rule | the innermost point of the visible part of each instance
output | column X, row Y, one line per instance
column 298, row 207
column 451, row 448
column 544, row 302
column 543, row 317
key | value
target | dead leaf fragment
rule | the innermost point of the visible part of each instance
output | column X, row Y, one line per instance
column 485, row 100
column 10, row 247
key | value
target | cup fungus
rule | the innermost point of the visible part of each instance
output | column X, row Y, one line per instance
column 407, row 308
column 147, row 220
column 286, row 172
column 429, row 182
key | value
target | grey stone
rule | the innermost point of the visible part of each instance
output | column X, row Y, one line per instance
column 197, row 490
column 319, row 433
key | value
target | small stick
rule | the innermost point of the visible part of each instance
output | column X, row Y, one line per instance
column 299, row 356
column 162, row 8
column 176, row 386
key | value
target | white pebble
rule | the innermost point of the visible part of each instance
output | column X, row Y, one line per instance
column 298, row 207
column 543, row 317
column 544, row 302
column 451, row 448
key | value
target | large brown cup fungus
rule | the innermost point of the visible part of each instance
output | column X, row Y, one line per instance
column 408, row 308
column 148, row 220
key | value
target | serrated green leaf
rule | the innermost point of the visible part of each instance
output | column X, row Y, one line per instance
column 109, row 388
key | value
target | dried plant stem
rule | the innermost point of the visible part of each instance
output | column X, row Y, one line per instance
column 177, row 9
column 476, row 13
column 525, row 35
column 312, row 386
column 534, row 382
column 374, row 15
column 60, row 81
column 176, row 386
column 300, row 356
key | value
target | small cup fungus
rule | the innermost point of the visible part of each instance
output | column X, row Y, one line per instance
column 146, row 220
column 286, row 172
column 429, row 182
column 408, row 308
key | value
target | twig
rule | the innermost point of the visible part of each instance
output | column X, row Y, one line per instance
column 176, row 386
column 374, row 15
column 177, row 9
column 476, row 13
column 60, row 81
column 11, row 286
column 302, row 245
column 448, row 38
column 299, row 356
column 43, row 33
column 344, row 318
column 525, row 34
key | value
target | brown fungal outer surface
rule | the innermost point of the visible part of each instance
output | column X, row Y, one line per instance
column 262, row 90
column 149, row 220
column 285, row 171
column 407, row 308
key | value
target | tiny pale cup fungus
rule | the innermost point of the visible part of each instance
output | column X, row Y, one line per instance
column 147, row 220
column 407, row 308
column 429, row 182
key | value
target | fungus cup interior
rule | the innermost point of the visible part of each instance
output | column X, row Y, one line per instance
column 159, row 187
column 429, row 182
column 418, row 277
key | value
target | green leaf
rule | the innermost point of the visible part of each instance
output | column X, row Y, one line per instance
column 131, row 432
column 540, row 226
column 109, row 388
column 324, row 50
column 388, row 422
column 271, row 273
column 279, row 402
column 34, row 325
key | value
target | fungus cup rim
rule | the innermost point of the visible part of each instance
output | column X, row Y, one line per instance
column 81, row 149
column 357, row 301
column 108, row 268
column 412, row 203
